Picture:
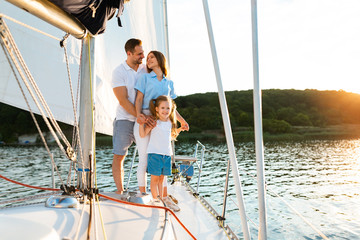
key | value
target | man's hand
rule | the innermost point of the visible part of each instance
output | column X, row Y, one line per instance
column 150, row 121
column 141, row 119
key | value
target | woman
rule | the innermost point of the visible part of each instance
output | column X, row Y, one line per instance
column 150, row 86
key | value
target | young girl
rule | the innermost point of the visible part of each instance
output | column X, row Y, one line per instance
column 159, row 149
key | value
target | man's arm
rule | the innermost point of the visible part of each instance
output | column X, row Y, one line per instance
column 122, row 97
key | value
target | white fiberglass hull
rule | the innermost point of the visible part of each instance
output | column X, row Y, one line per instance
column 121, row 221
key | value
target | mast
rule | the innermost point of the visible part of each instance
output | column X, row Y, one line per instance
column 227, row 126
column 258, row 126
column 86, row 117
column 167, row 53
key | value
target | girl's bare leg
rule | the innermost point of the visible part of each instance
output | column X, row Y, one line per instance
column 154, row 181
column 160, row 186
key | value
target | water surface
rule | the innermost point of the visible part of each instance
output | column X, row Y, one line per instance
column 320, row 179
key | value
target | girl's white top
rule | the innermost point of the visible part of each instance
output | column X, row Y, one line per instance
column 160, row 139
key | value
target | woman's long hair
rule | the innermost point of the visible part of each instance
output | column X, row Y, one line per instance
column 161, row 61
column 156, row 102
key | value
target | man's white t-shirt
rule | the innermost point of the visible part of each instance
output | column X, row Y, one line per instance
column 125, row 76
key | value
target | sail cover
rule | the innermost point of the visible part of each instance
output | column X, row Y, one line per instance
column 143, row 19
column 93, row 14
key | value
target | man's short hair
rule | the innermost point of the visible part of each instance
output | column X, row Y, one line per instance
column 131, row 44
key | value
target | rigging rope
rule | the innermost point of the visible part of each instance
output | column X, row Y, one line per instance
column 33, row 116
column 292, row 208
column 95, row 216
column 283, row 200
column 38, row 92
column 29, row 186
column 149, row 206
column 8, row 39
column 76, row 134
column 69, row 152
column 76, row 128
column 38, row 196
column 256, row 226
column 29, row 27
column 101, row 218
column 52, row 118
column 106, row 197
column 80, row 220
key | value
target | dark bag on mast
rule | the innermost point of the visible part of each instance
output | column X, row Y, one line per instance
column 93, row 14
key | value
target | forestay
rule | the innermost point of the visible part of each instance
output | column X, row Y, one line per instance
column 143, row 19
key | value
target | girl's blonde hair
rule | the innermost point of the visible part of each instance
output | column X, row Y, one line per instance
column 156, row 102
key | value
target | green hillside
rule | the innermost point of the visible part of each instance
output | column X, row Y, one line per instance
column 295, row 107
column 286, row 114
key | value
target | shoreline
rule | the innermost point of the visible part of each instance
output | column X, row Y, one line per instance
column 246, row 134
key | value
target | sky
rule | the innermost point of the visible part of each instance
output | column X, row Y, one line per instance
column 303, row 44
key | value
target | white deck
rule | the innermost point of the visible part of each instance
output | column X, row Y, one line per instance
column 194, row 216
column 121, row 221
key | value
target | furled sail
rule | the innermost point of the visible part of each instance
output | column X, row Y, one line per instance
column 93, row 14
column 143, row 19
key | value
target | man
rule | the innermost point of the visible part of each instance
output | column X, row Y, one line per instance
column 123, row 82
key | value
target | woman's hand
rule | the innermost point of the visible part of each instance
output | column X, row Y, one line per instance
column 184, row 126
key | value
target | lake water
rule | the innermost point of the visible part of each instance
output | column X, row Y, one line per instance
column 320, row 179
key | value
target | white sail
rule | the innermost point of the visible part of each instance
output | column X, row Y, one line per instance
column 143, row 19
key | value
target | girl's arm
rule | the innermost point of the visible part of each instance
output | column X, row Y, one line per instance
column 184, row 124
column 144, row 130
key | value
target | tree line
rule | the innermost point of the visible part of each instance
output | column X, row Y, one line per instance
column 281, row 110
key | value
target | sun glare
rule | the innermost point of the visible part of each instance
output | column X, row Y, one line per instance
column 353, row 90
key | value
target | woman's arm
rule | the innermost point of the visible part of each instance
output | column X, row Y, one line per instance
column 178, row 131
column 184, row 124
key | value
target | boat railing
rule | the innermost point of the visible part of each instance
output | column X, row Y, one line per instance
column 187, row 164
column 131, row 167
